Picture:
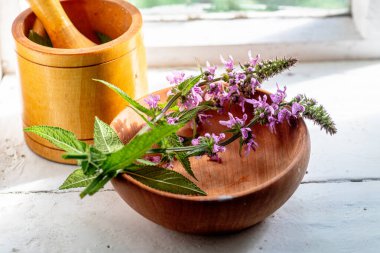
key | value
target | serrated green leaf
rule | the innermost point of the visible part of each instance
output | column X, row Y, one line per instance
column 59, row 137
column 103, row 38
column 97, row 183
column 106, row 139
column 173, row 141
column 188, row 84
column 77, row 179
column 138, row 146
column 127, row 98
column 166, row 180
column 36, row 38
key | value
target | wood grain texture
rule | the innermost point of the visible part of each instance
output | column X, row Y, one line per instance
column 241, row 191
column 57, row 85
column 61, row 30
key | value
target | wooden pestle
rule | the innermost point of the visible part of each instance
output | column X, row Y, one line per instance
column 61, row 30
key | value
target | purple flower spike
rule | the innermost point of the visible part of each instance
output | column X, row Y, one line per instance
column 152, row 101
column 172, row 121
column 228, row 64
column 176, row 77
column 252, row 61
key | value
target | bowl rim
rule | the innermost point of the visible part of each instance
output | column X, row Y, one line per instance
column 218, row 198
column 135, row 27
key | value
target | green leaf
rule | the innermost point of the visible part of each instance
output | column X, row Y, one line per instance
column 59, row 137
column 138, row 146
column 106, row 139
column 187, row 115
column 77, row 179
column 127, row 98
column 173, row 141
column 166, row 180
column 188, row 84
column 146, row 162
column 36, row 38
column 97, row 183
column 103, row 38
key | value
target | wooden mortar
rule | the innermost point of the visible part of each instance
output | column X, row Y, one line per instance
column 57, row 85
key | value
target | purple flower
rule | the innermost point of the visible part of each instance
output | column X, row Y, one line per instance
column 251, row 145
column 283, row 114
column 203, row 118
column 254, row 84
column 193, row 99
column 272, row 121
column 153, row 159
column 195, row 142
column 233, row 121
column 241, row 103
column 152, row 101
column 228, row 64
column 297, row 108
column 244, row 132
column 279, row 96
column 172, row 121
column 252, row 61
column 176, row 77
column 210, row 68
column 216, row 138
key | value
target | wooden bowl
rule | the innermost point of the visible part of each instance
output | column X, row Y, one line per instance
column 242, row 191
column 57, row 85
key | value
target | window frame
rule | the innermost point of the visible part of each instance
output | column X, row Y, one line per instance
column 359, row 43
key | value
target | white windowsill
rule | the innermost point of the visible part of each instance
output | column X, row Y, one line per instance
column 308, row 39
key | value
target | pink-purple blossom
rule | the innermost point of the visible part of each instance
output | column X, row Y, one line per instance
column 203, row 118
column 193, row 99
column 212, row 141
column 211, row 69
column 172, row 120
column 176, row 77
column 279, row 96
column 245, row 132
column 228, row 64
column 250, row 145
column 152, row 101
column 233, row 121
column 252, row 61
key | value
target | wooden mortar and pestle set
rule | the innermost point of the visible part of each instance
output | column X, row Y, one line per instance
column 57, row 85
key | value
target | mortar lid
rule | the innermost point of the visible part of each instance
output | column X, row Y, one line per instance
column 80, row 57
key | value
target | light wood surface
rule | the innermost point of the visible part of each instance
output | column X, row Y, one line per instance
column 335, row 209
column 62, row 32
column 242, row 191
column 57, row 85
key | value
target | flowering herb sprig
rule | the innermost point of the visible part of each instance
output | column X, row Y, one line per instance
column 190, row 101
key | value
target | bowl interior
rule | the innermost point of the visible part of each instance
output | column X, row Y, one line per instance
column 235, row 174
column 92, row 16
